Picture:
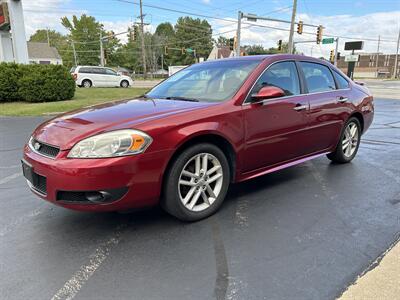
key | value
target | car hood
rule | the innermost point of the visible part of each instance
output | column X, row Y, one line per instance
column 67, row 129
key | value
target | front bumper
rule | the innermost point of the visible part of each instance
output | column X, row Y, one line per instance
column 140, row 176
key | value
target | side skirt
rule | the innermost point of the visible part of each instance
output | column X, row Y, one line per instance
column 273, row 168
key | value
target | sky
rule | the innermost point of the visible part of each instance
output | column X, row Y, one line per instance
column 348, row 19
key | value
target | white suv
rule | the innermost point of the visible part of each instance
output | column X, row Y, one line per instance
column 88, row 76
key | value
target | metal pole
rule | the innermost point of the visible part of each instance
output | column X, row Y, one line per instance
column 240, row 15
column 162, row 61
column 142, row 41
column 73, row 48
column 336, row 52
column 48, row 38
column 101, row 50
column 290, row 45
column 377, row 55
column 396, row 57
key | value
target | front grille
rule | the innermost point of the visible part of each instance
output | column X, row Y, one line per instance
column 44, row 149
column 40, row 184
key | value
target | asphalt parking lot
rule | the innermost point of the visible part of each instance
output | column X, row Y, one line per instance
column 306, row 232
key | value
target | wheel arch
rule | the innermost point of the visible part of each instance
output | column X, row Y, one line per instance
column 359, row 117
column 210, row 138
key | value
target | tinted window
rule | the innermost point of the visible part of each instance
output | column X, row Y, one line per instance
column 211, row 81
column 283, row 75
column 111, row 72
column 318, row 77
column 341, row 81
column 98, row 70
column 85, row 70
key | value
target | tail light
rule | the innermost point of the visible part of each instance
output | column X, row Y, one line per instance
column 74, row 76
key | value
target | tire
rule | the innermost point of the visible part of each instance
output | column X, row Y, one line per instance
column 189, row 198
column 124, row 84
column 86, row 83
column 346, row 151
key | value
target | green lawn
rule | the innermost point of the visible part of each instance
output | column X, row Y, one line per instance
column 83, row 97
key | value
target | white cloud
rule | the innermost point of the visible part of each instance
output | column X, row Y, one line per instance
column 206, row 1
column 368, row 26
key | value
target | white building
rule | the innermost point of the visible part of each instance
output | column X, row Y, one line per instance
column 42, row 53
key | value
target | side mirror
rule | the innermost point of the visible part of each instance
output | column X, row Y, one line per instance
column 268, row 92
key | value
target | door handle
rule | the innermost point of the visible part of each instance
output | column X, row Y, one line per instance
column 300, row 107
column 342, row 99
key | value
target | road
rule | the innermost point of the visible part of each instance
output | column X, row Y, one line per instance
column 305, row 232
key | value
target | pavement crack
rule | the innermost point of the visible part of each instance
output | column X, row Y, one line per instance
column 222, row 279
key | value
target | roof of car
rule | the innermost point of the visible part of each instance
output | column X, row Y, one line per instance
column 267, row 56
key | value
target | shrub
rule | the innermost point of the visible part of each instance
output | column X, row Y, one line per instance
column 9, row 75
column 36, row 83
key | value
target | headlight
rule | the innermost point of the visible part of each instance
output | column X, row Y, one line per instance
column 112, row 144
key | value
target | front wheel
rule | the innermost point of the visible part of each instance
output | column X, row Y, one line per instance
column 196, row 183
column 349, row 142
column 124, row 84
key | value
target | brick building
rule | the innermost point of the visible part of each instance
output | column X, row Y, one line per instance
column 366, row 66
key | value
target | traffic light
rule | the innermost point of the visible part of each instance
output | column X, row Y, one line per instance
column 332, row 56
column 183, row 50
column 280, row 45
column 135, row 31
column 232, row 43
column 300, row 27
column 166, row 50
column 319, row 34
column 338, row 56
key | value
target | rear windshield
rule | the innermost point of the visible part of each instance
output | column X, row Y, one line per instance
column 72, row 70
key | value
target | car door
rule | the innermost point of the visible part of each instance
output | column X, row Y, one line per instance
column 99, row 77
column 112, row 77
column 325, row 114
column 275, row 129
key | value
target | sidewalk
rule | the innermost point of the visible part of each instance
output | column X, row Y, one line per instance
column 380, row 283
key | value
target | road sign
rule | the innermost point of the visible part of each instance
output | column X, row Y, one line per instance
column 189, row 50
column 351, row 58
column 354, row 45
column 328, row 41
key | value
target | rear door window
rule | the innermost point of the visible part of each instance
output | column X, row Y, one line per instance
column 318, row 77
column 282, row 75
column 341, row 81
column 85, row 70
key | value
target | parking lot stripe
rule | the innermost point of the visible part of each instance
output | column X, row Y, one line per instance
column 76, row 282
column 9, row 178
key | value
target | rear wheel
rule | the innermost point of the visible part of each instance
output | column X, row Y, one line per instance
column 349, row 142
column 86, row 83
column 196, row 183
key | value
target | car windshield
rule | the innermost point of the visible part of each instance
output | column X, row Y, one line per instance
column 212, row 81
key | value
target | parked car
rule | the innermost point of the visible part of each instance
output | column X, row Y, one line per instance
column 186, row 140
column 88, row 76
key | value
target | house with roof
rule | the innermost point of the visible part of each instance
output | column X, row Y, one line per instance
column 42, row 53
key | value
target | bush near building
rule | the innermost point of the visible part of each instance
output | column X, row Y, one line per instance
column 35, row 83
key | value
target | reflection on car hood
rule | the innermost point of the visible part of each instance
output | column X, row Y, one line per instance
column 67, row 129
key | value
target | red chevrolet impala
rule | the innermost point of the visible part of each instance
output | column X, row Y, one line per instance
column 186, row 140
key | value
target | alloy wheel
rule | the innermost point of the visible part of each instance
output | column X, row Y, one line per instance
column 200, row 182
column 350, row 139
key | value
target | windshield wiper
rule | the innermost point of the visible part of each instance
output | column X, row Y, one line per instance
column 182, row 99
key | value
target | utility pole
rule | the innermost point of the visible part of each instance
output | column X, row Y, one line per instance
column 73, row 48
column 143, row 46
column 290, row 45
column 48, row 38
column 240, row 16
column 101, row 50
column 396, row 59
column 336, row 52
column 377, row 55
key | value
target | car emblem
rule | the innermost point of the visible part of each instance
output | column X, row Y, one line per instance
column 36, row 146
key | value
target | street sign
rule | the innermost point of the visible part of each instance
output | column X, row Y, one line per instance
column 351, row 58
column 328, row 41
column 189, row 50
column 354, row 45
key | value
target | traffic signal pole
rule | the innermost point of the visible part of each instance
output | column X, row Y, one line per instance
column 240, row 16
column 101, row 50
column 336, row 52
column 396, row 59
column 290, row 45
column 142, row 41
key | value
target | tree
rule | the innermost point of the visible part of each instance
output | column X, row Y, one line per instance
column 256, row 50
column 166, row 30
column 85, row 33
column 222, row 41
column 55, row 38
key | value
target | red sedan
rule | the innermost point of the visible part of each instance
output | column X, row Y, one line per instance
column 186, row 140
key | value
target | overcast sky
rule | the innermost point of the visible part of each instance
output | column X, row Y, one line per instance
column 350, row 19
